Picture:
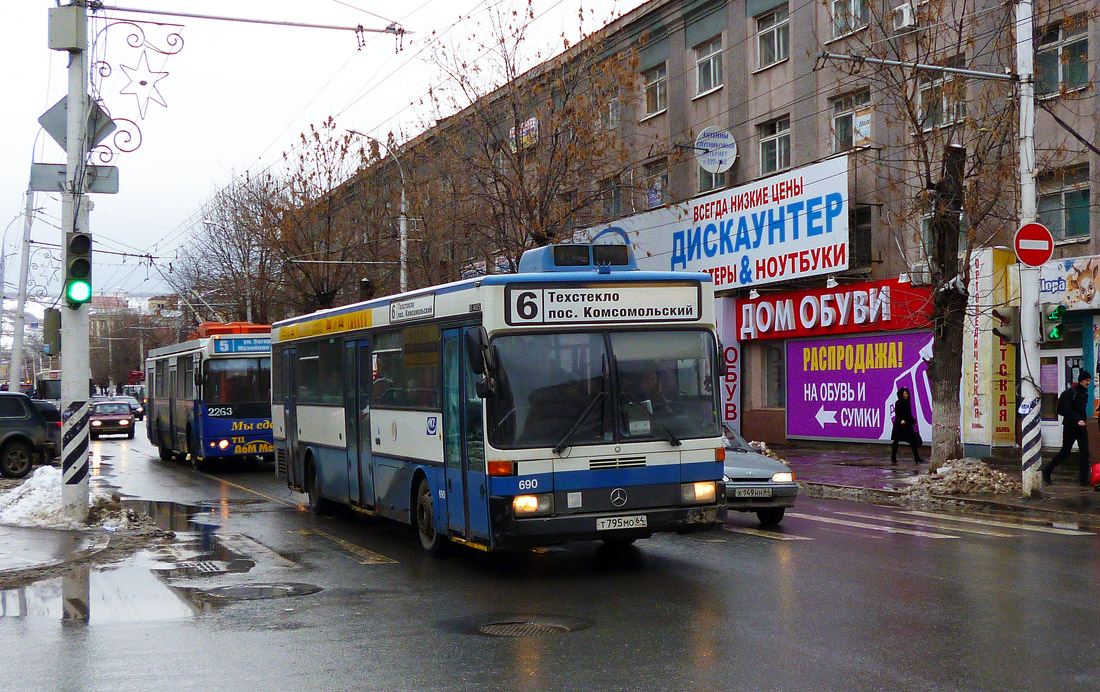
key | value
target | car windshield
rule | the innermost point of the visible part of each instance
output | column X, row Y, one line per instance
column 112, row 408
column 237, row 380
column 601, row 387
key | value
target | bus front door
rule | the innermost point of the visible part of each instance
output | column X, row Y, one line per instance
column 463, row 443
column 358, row 372
column 295, row 474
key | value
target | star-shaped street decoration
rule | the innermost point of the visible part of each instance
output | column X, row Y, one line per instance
column 143, row 84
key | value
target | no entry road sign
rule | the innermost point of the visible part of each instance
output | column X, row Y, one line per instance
column 1034, row 244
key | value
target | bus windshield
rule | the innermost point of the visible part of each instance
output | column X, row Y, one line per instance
column 558, row 390
column 237, row 380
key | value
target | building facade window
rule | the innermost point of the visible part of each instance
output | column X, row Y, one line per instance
column 775, row 379
column 852, row 120
column 656, row 90
column 708, row 65
column 1064, row 203
column 656, row 184
column 710, row 181
column 1062, row 56
column 942, row 97
column 773, row 37
column 849, row 15
column 775, row 146
column 610, row 120
column 611, row 193
column 859, row 245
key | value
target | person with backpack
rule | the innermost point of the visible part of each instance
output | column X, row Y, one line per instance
column 1071, row 407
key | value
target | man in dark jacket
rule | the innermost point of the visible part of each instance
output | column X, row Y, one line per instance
column 1072, row 407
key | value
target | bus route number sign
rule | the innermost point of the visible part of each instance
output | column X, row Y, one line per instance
column 603, row 303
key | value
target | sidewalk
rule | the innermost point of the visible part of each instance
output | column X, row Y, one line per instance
column 871, row 470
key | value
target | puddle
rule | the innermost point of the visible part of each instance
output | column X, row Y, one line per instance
column 131, row 593
column 174, row 516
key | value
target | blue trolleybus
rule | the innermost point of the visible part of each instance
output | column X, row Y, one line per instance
column 209, row 398
column 574, row 400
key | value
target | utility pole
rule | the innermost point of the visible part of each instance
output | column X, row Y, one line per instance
column 68, row 31
column 1031, row 442
column 16, row 370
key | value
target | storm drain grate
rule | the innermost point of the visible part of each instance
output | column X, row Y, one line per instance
column 522, row 628
column 203, row 567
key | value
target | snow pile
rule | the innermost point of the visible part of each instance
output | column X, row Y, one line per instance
column 767, row 451
column 965, row 477
column 37, row 503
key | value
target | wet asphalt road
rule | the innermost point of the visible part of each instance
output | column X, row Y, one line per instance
column 843, row 596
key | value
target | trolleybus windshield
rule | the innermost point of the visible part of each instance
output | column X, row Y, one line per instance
column 590, row 388
column 237, row 380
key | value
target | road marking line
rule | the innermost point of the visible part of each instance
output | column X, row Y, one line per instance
column 871, row 527
column 914, row 522
column 1003, row 524
column 368, row 557
column 250, row 490
column 764, row 534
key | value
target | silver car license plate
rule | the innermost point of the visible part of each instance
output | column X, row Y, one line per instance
column 637, row 521
column 752, row 492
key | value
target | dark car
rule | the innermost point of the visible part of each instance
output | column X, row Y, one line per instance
column 756, row 483
column 111, row 417
column 25, row 436
column 136, row 406
column 53, row 419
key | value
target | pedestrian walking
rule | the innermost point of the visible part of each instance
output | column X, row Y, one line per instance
column 905, row 427
column 1071, row 407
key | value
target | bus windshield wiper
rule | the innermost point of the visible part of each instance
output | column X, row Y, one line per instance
column 669, row 435
column 596, row 398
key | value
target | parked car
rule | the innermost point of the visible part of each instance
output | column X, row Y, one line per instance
column 136, row 406
column 756, row 483
column 111, row 418
column 25, row 436
column 53, row 419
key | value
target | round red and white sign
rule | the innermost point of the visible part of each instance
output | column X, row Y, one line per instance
column 1034, row 244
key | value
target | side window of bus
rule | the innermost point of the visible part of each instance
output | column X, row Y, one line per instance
column 309, row 373
column 160, row 378
column 277, row 375
column 187, row 377
column 332, row 372
column 406, row 369
column 387, row 387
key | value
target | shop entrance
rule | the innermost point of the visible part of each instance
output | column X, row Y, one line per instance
column 1057, row 370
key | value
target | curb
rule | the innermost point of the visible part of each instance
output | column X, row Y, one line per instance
column 894, row 497
column 101, row 543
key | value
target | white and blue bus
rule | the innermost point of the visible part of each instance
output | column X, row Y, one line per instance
column 209, row 399
column 574, row 400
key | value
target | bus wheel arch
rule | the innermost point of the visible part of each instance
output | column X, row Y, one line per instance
column 422, row 516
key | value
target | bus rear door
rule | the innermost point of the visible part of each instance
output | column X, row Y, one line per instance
column 358, row 371
column 295, row 475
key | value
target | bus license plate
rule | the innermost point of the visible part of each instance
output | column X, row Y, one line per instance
column 752, row 492
column 638, row 521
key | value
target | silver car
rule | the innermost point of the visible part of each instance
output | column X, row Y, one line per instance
column 756, row 483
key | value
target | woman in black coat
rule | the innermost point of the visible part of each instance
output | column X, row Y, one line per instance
column 905, row 427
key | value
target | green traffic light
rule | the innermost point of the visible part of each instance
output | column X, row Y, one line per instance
column 78, row 292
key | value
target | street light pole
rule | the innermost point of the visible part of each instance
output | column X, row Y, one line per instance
column 15, row 371
column 402, row 223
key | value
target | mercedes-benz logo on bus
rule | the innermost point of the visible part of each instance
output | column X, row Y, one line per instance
column 618, row 497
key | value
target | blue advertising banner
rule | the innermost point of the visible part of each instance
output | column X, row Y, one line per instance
column 259, row 344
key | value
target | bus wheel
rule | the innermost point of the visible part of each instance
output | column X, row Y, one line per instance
column 162, row 450
column 317, row 504
column 434, row 544
column 197, row 462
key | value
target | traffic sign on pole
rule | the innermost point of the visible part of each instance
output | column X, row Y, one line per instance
column 1034, row 244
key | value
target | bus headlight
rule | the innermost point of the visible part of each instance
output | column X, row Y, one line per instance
column 223, row 444
column 783, row 477
column 699, row 493
column 533, row 505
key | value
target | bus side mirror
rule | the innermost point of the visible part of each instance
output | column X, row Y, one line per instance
column 198, row 378
column 477, row 344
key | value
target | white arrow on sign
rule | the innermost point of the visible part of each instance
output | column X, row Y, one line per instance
column 824, row 416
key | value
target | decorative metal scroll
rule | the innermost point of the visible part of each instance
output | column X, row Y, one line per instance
column 44, row 270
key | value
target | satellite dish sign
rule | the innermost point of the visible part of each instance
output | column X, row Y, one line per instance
column 715, row 150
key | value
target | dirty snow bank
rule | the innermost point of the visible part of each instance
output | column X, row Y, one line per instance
column 965, row 477
column 767, row 451
column 37, row 503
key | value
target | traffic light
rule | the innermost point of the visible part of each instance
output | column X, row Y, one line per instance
column 51, row 332
column 1006, row 324
column 78, row 268
column 1051, row 329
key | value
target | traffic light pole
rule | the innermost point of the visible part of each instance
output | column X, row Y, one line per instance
column 75, row 208
column 1031, row 442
